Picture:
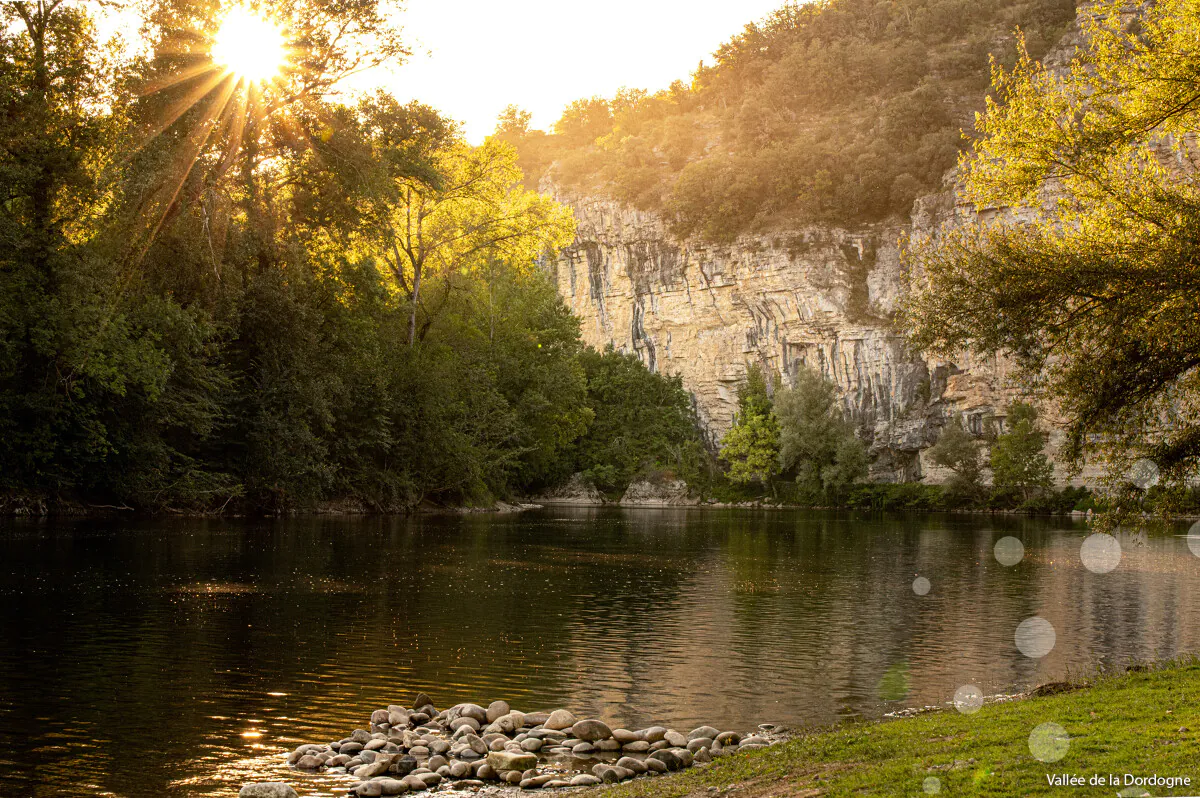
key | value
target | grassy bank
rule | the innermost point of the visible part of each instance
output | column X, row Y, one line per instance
column 1142, row 723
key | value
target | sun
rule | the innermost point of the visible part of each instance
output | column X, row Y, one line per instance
column 249, row 46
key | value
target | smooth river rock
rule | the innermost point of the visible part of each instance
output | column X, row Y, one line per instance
column 591, row 731
column 511, row 760
column 267, row 789
column 497, row 710
column 559, row 719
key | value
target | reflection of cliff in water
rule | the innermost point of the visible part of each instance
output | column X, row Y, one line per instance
column 186, row 653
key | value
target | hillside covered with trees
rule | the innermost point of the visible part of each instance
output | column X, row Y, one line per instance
column 840, row 112
column 226, row 291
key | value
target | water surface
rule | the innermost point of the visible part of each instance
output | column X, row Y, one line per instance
column 180, row 657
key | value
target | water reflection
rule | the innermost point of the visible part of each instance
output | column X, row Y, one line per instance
column 182, row 656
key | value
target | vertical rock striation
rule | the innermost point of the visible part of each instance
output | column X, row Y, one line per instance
column 816, row 297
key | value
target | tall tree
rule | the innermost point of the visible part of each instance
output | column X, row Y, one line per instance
column 1090, row 282
column 1018, row 458
column 957, row 450
column 815, row 441
column 751, row 447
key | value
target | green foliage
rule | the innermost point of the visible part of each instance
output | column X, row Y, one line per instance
column 841, row 111
column 816, row 443
column 751, row 447
column 898, row 496
column 1095, row 291
column 958, row 451
column 641, row 422
column 207, row 303
column 1018, row 459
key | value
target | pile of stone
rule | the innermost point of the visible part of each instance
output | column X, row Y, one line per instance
column 467, row 746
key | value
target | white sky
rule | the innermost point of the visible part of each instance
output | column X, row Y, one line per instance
column 471, row 58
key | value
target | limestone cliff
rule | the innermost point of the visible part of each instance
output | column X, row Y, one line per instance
column 816, row 297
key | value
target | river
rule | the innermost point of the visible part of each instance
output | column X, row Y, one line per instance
column 183, row 656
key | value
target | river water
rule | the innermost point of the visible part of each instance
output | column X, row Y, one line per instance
column 181, row 657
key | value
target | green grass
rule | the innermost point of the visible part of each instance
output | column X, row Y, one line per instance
column 1142, row 723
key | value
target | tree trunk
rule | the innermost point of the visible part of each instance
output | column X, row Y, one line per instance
column 416, row 295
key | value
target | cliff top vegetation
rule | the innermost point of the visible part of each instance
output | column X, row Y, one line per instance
column 842, row 111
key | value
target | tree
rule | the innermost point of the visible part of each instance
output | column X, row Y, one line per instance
column 815, row 442
column 751, row 447
column 1018, row 460
column 957, row 450
column 1090, row 282
column 641, row 420
column 470, row 212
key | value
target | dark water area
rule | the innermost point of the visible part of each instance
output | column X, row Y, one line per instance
column 181, row 657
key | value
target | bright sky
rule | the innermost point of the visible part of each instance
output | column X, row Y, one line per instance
column 471, row 58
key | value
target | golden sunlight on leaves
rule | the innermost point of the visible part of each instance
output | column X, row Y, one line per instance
column 249, row 46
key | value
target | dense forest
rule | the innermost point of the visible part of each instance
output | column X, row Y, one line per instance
column 220, row 292
column 843, row 111
column 231, row 292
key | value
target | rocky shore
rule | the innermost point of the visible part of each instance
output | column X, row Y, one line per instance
column 468, row 746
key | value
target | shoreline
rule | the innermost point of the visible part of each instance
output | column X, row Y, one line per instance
column 1143, row 723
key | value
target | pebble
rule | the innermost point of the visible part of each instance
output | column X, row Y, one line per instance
column 668, row 758
column 624, row 736
column 267, row 789
column 508, row 760
column 654, row 734
column 468, row 745
column 559, row 719
column 497, row 710
column 591, row 730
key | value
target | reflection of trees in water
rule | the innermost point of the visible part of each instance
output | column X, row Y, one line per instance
column 135, row 636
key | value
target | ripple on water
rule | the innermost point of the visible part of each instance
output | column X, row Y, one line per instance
column 219, row 645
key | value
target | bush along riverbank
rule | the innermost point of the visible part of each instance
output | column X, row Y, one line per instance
column 467, row 746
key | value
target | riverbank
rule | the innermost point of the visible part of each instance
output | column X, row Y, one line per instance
column 1144, row 724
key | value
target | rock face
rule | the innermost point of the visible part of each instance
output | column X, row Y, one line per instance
column 577, row 490
column 815, row 297
column 657, row 493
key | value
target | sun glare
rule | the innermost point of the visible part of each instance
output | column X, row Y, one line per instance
column 249, row 46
